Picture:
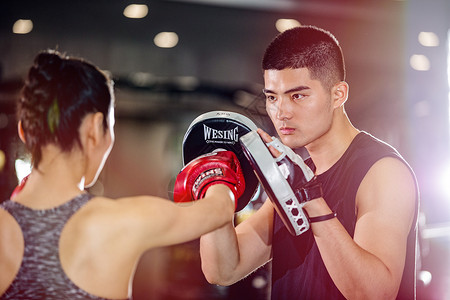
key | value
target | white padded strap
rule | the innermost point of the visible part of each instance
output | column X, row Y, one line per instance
column 297, row 159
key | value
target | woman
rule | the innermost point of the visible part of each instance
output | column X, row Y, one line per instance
column 71, row 244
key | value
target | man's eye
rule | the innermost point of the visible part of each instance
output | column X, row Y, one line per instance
column 270, row 98
column 297, row 96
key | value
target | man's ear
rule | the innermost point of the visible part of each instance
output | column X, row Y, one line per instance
column 340, row 93
column 21, row 132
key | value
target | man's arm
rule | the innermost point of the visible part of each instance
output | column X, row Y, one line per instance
column 370, row 265
column 229, row 254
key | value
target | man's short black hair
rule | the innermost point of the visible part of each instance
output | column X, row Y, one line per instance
column 307, row 47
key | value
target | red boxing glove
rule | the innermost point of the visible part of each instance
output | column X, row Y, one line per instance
column 219, row 167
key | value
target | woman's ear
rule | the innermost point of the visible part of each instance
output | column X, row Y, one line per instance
column 91, row 130
column 21, row 132
column 340, row 93
column 96, row 131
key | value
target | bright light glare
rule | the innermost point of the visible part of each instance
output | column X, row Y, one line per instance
column 135, row 11
column 448, row 60
column 425, row 277
column 419, row 62
column 444, row 180
column 448, row 74
column 23, row 168
column 22, row 26
column 422, row 109
column 428, row 39
column 285, row 24
column 166, row 39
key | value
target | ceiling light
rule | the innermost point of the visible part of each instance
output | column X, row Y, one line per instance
column 166, row 39
column 285, row 24
column 22, row 26
column 135, row 11
column 428, row 39
column 419, row 62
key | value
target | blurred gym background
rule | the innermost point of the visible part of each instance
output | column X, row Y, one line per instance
column 174, row 60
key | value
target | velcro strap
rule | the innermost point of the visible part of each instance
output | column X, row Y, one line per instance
column 308, row 193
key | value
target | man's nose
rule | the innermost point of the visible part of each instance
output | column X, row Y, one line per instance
column 284, row 110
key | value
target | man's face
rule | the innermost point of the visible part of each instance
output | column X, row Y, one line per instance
column 300, row 108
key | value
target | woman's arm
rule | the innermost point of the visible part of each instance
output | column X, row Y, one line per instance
column 229, row 254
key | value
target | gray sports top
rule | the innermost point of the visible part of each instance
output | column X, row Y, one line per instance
column 40, row 275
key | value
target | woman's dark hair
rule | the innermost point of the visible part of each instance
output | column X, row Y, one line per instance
column 59, row 92
column 307, row 47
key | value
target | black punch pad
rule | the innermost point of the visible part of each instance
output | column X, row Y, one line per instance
column 221, row 130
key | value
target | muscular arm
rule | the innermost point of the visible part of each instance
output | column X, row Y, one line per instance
column 145, row 222
column 230, row 254
column 370, row 265
column 102, row 243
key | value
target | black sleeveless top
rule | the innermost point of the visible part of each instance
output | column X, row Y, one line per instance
column 298, row 271
column 40, row 275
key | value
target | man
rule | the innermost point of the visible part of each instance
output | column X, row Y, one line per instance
column 368, row 250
